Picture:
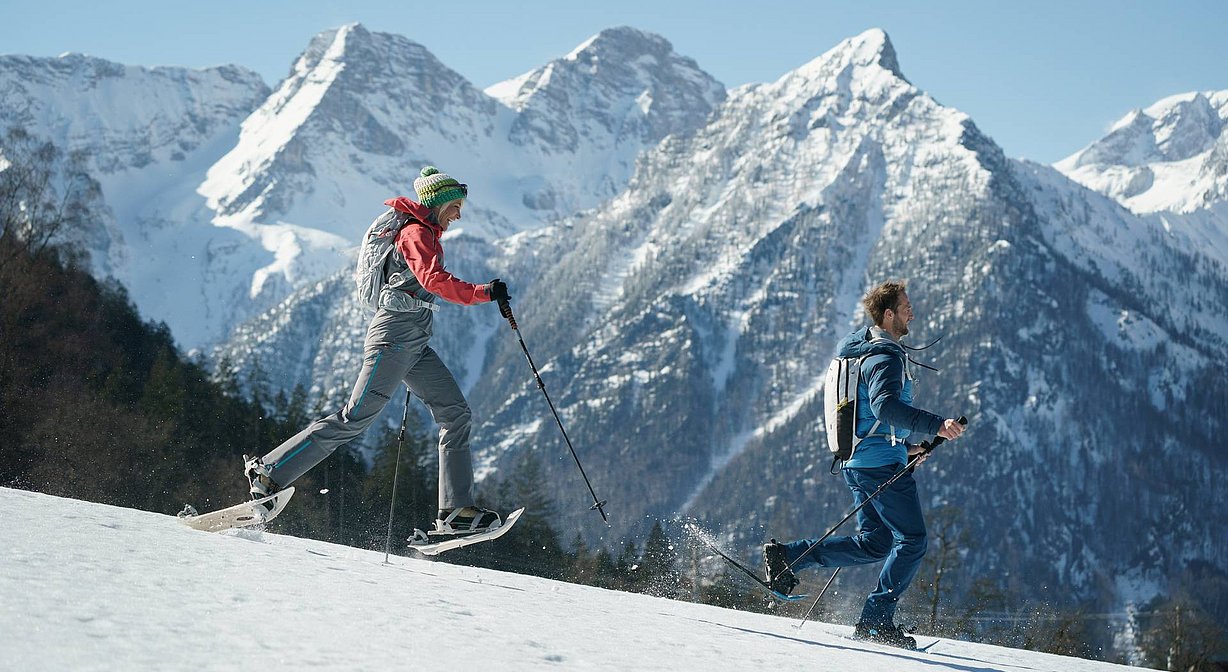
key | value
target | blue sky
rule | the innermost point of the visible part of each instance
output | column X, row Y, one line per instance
column 1042, row 78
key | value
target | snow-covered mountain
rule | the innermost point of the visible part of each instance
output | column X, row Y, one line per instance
column 1168, row 162
column 147, row 136
column 361, row 112
column 620, row 92
column 1169, row 156
column 683, row 325
column 93, row 587
column 683, row 328
column 227, row 195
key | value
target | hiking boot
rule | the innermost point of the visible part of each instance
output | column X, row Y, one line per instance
column 891, row 635
column 260, row 484
column 779, row 576
column 466, row 520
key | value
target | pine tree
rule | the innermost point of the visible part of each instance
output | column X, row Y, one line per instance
column 533, row 546
column 165, row 393
column 658, row 564
column 583, row 567
column 415, row 491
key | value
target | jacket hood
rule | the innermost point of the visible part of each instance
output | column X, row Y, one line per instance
column 862, row 342
column 411, row 207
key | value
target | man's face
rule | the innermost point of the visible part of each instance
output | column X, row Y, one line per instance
column 450, row 212
column 896, row 321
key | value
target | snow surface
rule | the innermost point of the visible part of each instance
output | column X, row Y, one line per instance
column 93, row 587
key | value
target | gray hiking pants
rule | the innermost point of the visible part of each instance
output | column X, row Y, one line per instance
column 395, row 351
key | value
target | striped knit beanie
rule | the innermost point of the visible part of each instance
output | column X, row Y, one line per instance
column 436, row 188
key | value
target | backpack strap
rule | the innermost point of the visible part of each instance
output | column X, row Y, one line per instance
column 405, row 219
column 903, row 379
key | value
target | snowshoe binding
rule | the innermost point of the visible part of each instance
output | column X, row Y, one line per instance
column 261, row 484
column 466, row 520
column 779, row 577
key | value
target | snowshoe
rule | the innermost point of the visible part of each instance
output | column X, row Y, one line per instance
column 890, row 635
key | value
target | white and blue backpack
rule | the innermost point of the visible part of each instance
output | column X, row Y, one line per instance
column 840, row 405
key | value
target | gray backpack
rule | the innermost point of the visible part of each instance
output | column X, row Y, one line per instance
column 370, row 274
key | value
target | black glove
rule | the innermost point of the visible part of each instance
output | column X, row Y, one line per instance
column 498, row 291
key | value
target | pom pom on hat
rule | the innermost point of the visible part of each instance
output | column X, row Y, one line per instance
column 435, row 188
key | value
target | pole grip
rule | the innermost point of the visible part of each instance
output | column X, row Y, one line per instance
column 938, row 440
column 505, row 309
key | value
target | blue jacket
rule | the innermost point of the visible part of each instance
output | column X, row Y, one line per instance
column 884, row 394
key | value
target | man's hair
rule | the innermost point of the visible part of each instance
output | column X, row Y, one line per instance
column 882, row 297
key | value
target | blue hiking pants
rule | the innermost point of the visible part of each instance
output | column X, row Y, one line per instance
column 890, row 526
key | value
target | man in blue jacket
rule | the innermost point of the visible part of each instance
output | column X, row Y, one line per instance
column 891, row 526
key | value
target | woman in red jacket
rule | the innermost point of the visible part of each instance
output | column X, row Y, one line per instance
column 396, row 350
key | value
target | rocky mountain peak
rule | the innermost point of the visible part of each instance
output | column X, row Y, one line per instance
column 1185, row 125
column 872, row 49
column 617, row 94
column 617, row 72
column 1167, row 156
column 621, row 39
column 360, row 93
column 354, row 59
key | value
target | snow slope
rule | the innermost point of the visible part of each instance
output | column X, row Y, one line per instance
column 93, row 587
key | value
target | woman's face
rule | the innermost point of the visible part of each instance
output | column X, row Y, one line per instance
column 450, row 212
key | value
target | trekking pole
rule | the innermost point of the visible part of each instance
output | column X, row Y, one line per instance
column 806, row 616
column 505, row 308
column 929, row 448
column 396, row 473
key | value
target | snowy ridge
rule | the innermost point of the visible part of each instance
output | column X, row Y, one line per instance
column 1101, row 236
column 148, row 135
column 243, row 196
column 269, row 128
column 1168, row 156
column 590, row 113
column 123, row 117
column 399, row 610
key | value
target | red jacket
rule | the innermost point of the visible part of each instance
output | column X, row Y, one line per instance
column 423, row 251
